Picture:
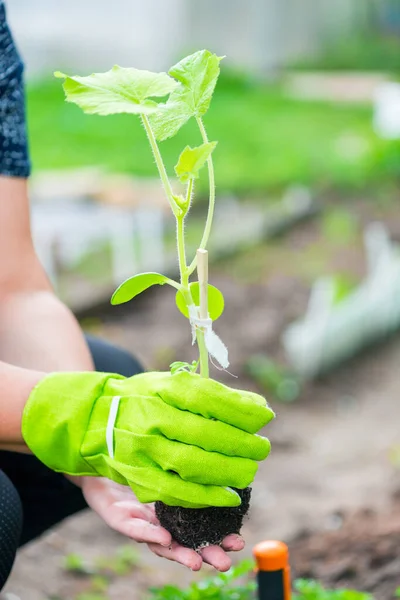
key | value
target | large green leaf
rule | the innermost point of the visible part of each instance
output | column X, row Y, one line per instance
column 197, row 75
column 192, row 160
column 168, row 119
column 136, row 285
column 119, row 90
column 215, row 300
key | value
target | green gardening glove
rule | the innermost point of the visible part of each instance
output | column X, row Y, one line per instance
column 177, row 438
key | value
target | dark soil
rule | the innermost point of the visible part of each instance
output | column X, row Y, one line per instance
column 197, row 528
column 363, row 554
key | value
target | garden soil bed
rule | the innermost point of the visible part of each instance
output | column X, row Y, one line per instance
column 363, row 553
column 330, row 449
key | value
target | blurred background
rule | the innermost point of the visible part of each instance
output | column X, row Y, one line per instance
column 304, row 248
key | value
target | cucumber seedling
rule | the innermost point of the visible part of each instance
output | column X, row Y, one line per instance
column 164, row 102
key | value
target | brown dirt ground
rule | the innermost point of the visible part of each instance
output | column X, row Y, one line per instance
column 362, row 553
column 331, row 448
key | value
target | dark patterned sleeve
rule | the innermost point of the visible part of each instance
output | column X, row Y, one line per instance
column 14, row 156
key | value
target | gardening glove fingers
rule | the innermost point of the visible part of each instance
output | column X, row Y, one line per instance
column 174, row 491
column 208, row 398
column 189, row 462
column 151, row 416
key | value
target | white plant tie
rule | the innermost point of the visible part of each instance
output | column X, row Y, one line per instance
column 112, row 417
column 215, row 346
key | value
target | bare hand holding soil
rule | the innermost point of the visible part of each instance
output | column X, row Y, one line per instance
column 120, row 509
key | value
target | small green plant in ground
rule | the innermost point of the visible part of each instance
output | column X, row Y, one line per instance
column 313, row 590
column 279, row 381
column 240, row 584
column 126, row 558
column 102, row 572
column 233, row 585
column 75, row 563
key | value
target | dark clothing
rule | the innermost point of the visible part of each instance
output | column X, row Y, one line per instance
column 29, row 488
column 14, row 157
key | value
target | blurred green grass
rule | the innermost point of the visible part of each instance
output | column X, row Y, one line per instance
column 266, row 140
column 362, row 51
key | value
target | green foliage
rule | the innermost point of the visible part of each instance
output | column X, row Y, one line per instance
column 137, row 284
column 119, row 90
column 123, row 562
column 273, row 378
column 126, row 559
column 225, row 586
column 99, row 583
column 358, row 52
column 74, row 563
column 238, row 584
column 197, row 75
column 190, row 86
column 192, row 160
column 385, row 160
column 216, row 301
column 100, row 575
column 178, row 366
column 269, row 140
column 343, row 287
column 339, row 225
column 312, row 590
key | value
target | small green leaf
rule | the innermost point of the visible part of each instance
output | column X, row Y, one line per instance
column 197, row 75
column 135, row 285
column 128, row 556
column 119, row 90
column 180, row 200
column 178, row 366
column 215, row 301
column 192, row 160
column 76, row 564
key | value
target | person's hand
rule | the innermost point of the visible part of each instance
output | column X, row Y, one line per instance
column 120, row 509
column 180, row 439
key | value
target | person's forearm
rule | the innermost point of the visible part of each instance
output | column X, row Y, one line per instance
column 38, row 332
column 16, row 385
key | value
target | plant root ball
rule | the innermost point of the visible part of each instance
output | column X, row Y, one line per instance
column 200, row 527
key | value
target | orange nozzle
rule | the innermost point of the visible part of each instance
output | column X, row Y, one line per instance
column 271, row 556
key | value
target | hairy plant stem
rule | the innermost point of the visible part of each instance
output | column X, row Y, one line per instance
column 180, row 215
column 180, row 238
column 211, row 203
column 184, row 271
column 160, row 166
